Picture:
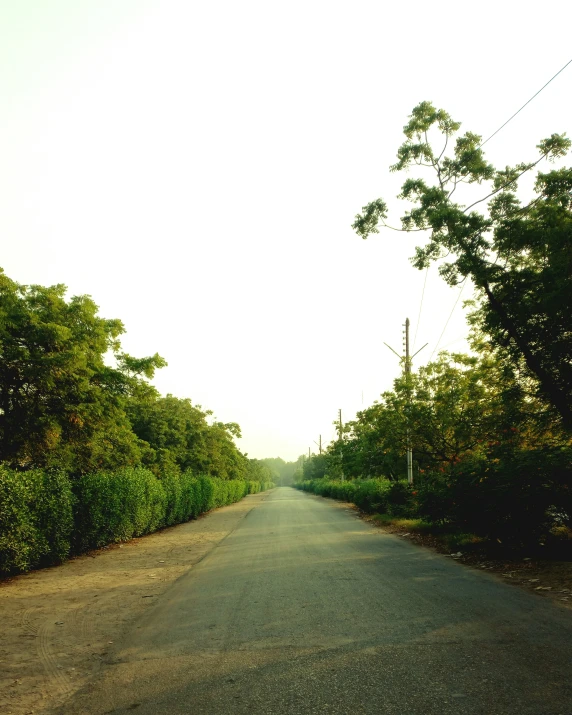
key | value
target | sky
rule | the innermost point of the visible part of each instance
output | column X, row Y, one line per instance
column 196, row 167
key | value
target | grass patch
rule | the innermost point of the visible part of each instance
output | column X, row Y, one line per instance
column 444, row 534
column 463, row 542
column 412, row 525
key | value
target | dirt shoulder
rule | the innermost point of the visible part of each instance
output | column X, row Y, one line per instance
column 57, row 623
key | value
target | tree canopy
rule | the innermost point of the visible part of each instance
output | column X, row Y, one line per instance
column 71, row 398
column 518, row 255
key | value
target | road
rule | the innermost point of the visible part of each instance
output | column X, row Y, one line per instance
column 304, row 608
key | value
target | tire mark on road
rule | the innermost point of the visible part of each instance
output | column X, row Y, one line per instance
column 56, row 677
column 26, row 622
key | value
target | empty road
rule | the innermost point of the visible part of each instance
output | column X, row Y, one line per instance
column 304, row 608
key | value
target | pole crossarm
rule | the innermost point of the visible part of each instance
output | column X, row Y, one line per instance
column 393, row 351
column 420, row 349
column 406, row 361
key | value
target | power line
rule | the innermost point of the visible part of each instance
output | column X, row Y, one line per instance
column 524, row 105
column 463, row 286
column 481, row 145
column 447, row 323
column 456, row 340
column 420, row 307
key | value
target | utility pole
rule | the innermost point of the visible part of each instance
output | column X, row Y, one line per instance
column 341, row 443
column 408, row 385
column 407, row 371
column 309, row 453
column 319, row 444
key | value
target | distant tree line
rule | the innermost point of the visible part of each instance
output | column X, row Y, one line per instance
column 282, row 471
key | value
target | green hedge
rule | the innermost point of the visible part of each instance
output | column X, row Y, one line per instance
column 45, row 516
column 36, row 518
column 518, row 498
column 515, row 498
column 116, row 506
column 370, row 495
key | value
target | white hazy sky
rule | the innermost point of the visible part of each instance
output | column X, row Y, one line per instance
column 195, row 167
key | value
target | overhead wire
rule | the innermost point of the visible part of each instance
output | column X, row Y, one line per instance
column 524, row 105
column 456, row 340
column 420, row 308
column 448, row 319
column 481, row 145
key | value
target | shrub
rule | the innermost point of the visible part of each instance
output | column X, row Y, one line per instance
column 115, row 506
column 53, row 505
column 370, row 495
column 175, row 506
column 42, row 513
column 36, row 518
column 507, row 497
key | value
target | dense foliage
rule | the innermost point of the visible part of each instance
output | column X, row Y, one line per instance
column 517, row 255
column 282, row 472
column 489, row 457
column 90, row 452
column 45, row 516
column 70, row 399
column 370, row 495
column 491, row 432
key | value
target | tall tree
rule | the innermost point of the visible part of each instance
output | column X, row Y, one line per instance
column 173, row 428
column 61, row 404
column 518, row 256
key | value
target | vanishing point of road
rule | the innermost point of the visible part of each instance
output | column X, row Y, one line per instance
column 304, row 608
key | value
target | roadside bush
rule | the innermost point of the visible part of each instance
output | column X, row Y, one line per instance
column 510, row 498
column 205, row 495
column 371, row 495
column 434, row 499
column 176, row 509
column 36, row 518
column 400, row 500
column 53, row 504
column 514, row 497
column 43, row 515
column 116, row 506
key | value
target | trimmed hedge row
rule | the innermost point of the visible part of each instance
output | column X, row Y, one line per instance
column 522, row 501
column 45, row 516
column 36, row 518
column 370, row 495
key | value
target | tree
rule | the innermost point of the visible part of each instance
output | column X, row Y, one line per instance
column 225, row 460
column 376, row 444
column 518, row 256
column 316, row 467
column 282, row 471
column 445, row 407
column 173, row 428
column 61, row 404
column 456, row 407
column 450, row 406
column 259, row 471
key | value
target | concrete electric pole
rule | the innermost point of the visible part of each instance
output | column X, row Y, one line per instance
column 408, row 386
column 407, row 371
column 340, row 426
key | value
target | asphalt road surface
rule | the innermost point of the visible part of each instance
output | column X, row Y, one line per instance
column 306, row 609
